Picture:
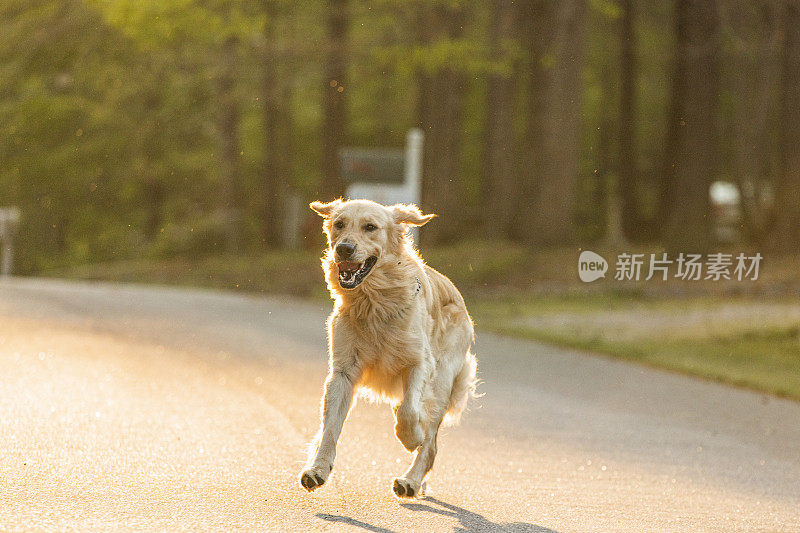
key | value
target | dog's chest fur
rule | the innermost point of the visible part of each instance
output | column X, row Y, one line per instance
column 386, row 330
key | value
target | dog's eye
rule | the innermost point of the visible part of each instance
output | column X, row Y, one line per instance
column 370, row 227
column 338, row 224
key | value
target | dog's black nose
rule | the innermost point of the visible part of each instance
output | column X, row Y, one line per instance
column 345, row 250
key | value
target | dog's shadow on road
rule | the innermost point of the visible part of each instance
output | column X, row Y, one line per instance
column 471, row 521
column 352, row 522
column 468, row 520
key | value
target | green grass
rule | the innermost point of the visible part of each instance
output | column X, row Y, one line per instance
column 765, row 361
column 749, row 341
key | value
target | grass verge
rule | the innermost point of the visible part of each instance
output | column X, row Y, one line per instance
column 740, row 341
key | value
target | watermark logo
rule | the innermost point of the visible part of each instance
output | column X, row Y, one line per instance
column 687, row 267
column 591, row 266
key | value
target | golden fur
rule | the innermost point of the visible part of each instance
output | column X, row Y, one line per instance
column 402, row 335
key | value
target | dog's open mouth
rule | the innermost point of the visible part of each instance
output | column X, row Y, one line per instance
column 351, row 274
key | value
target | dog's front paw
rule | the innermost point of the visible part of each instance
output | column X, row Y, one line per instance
column 405, row 488
column 313, row 478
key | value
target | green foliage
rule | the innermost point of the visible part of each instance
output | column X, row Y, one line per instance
column 109, row 108
column 607, row 8
column 155, row 24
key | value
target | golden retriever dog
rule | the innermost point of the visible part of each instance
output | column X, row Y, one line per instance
column 399, row 332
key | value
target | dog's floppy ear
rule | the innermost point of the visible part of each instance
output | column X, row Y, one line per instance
column 325, row 210
column 410, row 214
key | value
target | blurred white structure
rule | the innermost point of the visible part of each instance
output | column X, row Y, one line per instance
column 726, row 207
column 9, row 221
column 386, row 176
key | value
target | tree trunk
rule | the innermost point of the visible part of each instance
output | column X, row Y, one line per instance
column 277, row 143
column 607, row 211
column 676, row 97
column 688, row 224
column 441, row 102
column 334, row 123
column 554, row 38
column 154, row 196
column 787, row 229
column 500, row 183
column 755, row 29
column 227, row 125
column 567, row 141
column 148, row 143
column 537, row 39
column 628, row 168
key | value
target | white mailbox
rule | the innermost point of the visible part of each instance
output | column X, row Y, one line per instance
column 386, row 176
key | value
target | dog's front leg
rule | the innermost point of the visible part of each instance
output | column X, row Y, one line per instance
column 335, row 405
column 408, row 427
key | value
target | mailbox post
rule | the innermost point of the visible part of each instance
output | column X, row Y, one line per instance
column 9, row 221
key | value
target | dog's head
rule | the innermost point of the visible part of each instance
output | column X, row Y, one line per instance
column 364, row 235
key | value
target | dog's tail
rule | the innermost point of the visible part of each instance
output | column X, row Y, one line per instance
column 464, row 388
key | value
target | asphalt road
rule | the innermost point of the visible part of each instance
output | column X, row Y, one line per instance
column 126, row 407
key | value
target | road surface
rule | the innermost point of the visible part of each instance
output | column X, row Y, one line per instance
column 129, row 407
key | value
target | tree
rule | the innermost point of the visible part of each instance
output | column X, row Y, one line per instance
column 277, row 140
column 499, row 175
column 441, row 87
column 751, row 71
column 334, row 122
column 693, row 150
column 83, row 130
column 554, row 40
column 787, row 229
column 206, row 39
column 230, row 208
column 628, row 167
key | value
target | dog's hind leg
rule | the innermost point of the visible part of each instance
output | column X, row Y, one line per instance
column 335, row 406
column 409, row 484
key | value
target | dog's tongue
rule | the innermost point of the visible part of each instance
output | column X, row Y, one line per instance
column 348, row 266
